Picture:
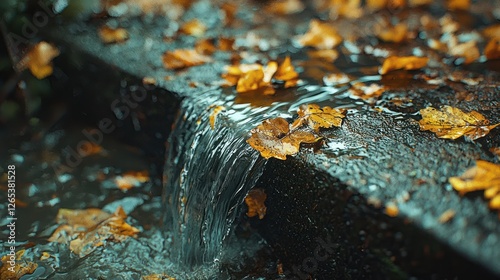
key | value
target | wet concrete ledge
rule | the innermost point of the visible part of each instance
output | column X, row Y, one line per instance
column 314, row 197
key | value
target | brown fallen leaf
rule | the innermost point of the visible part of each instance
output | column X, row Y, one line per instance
column 225, row 44
column 253, row 81
column 39, row 60
column 403, row 62
column 183, row 58
column 205, row 46
column 327, row 55
column 452, row 123
column 214, row 114
column 492, row 31
column 20, row 268
column 492, row 49
column 285, row 7
column 229, row 10
column 454, row 5
column 131, row 179
column 345, row 8
column 273, row 138
column 255, row 202
column 316, row 117
column 484, row 176
column 110, row 35
column 84, row 230
column 393, row 34
column 193, row 27
column 320, row 35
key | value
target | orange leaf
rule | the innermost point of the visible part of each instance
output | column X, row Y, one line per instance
column 38, row 60
column 131, row 179
column 458, row 5
column 360, row 90
column 484, row 176
column 394, row 34
column 468, row 51
column 492, row 49
column 320, row 35
column 403, row 62
column 317, row 117
column 183, row 58
column 285, row 7
column 21, row 267
column 492, row 31
column 327, row 55
column 193, row 27
column 255, row 201
column 273, row 138
column 110, row 35
column 452, row 123
column 286, row 72
column 214, row 114
column 205, row 46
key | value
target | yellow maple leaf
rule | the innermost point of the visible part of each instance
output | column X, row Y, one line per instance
column 317, row 117
column 403, row 62
column 273, row 138
column 484, row 176
column 452, row 123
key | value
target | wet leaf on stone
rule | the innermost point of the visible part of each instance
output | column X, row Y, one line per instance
column 131, row 179
column 361, row 90
column 394, row 34
column 20, row 268
column 162, row 276
column 484, row 176
column 39, row 60
column 452, row 123
column 492, row 49
column 273, row 138
column 182, row 58
column 403, row 62
column 213, row 116
column 285, row 7
column 110, row 35
column 254, row 200
column 316, row 117
column 320, row 35
column 193, row 27
column 85, row 230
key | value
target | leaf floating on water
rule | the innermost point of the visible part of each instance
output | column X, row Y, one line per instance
column 85, row 230
column 110, row 35
column 316, row 117
column 452, row 123
column 403, row 62
column 39, row 60
column 320, row 35
column 484, row 176
column 273, row 138
column 255, row 201
column 214, row 114
column 183, row 58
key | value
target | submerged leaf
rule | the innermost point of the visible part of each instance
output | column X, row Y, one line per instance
column 214, row 114
column 255, row 202
column 403, row 62
column 273, row 138
column 320, row 35
column 183, row 58
column 452, row 123
column 484, row 176
column 317, row 117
